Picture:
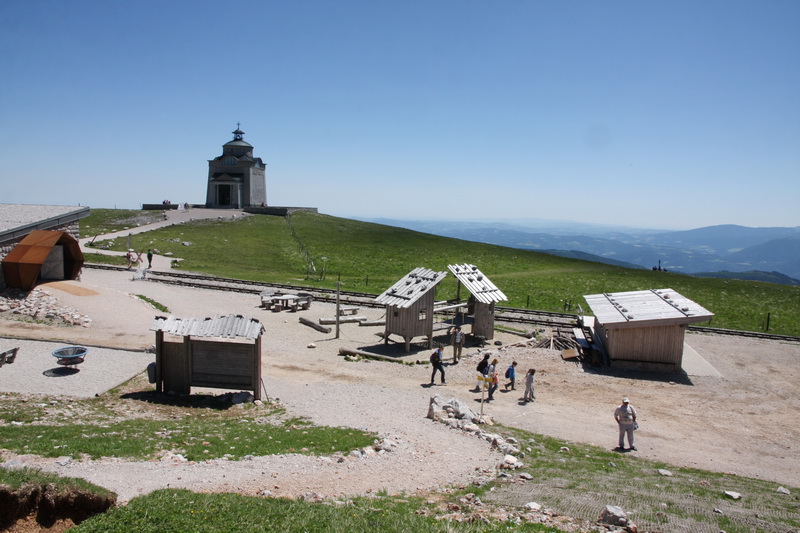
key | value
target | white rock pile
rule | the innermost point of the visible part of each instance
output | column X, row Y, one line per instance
column 40, row 305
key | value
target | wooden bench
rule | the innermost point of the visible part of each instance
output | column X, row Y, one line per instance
column 8, row 356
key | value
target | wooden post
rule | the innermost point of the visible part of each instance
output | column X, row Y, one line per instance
column 257, row 369
column 338, row 314
column 159, row 360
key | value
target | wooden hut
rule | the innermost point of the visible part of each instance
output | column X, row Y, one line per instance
column 409, row 305
column 485, row 295
column 222, row 352
column 644, row 327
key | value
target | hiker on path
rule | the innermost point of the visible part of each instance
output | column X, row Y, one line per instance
column 149, row 258
column 436, row 362
column 457, row 340
column 481, row 368
column 491, row 372
column 529, row 394
column 511, row 375
column 625, row 415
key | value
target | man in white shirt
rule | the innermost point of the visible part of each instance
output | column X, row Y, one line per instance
column 625, row 415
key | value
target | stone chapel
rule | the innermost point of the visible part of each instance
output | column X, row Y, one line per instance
column 236, row 179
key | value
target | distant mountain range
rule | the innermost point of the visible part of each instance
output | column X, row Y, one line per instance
column 726, row 251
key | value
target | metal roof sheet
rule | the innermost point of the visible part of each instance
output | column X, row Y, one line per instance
column 644, row 308
column 411, row 287
column 226, row 326
column 477, row 283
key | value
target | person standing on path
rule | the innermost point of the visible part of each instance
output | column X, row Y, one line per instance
column 457, row 340
column 436, row 362
column 149, row 258
column 625, row 415
column 529, row 394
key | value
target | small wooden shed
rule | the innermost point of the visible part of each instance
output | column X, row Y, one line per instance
column 485, row 294
column 645, row 327
column 409, row 305
column 221, row 352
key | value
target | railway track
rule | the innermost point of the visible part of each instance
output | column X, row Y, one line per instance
column 504, row 314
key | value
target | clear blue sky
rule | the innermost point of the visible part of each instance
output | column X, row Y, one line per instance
column 672, row 114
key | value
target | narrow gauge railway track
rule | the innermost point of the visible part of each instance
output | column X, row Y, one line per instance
column 505, row 314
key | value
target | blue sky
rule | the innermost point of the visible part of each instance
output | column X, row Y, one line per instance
column 669, row 115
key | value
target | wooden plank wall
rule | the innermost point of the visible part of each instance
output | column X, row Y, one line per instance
column 222, row 365
column 174, row 363
column 408, row 322
column 483, row 320
column 662, row 344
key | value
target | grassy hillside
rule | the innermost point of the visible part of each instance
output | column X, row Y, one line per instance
column 370, row 257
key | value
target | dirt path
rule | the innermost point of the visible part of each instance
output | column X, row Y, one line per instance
column 744, row 421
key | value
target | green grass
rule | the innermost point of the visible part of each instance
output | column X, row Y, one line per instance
column 199, row 430
column 102, row 221
column 318, row 250
column 181, row 511
column 587, row 478
column 14, row 478
column 161, row 307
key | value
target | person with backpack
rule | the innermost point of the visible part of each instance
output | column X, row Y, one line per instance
column 436, row 362
column 511, row 375
column 481, row 368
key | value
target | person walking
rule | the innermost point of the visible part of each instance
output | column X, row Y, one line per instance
column 436, row 361
column 511, row 375
column 457, row 340
column 481, row 368
column 149, row 258
column 491, row 372
column 529, row 394
column 625, row 415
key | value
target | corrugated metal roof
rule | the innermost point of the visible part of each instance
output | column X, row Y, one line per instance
column 649, row 307
column 477, row 283
column 411, row 287
column 227, row 326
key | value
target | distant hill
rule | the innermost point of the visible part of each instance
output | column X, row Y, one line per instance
column 724, row 248
column 756, row 275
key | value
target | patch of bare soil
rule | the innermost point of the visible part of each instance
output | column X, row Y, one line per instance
column 43, row 508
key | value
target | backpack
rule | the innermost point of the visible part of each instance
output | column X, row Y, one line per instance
column 482, row 366
column 508, row 372
column 435, row 357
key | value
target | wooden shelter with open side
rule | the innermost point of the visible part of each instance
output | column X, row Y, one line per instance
column 646, row 327
column 409, row 305
column 485, row 295
column 42, row 255
column 222, row 352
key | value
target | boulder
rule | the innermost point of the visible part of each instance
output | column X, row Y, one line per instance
column 613, row 515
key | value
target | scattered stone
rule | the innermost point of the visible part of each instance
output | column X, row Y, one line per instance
column 783, row 490
column 664, row 472
column 564, row 449
column 613, row 515
column 718, row 510
column 533, row 506
column 733, row 495
column 311, row 345
column 526, row 476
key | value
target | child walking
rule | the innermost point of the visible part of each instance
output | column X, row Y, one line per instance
column 511, row 374
column 529, row 395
